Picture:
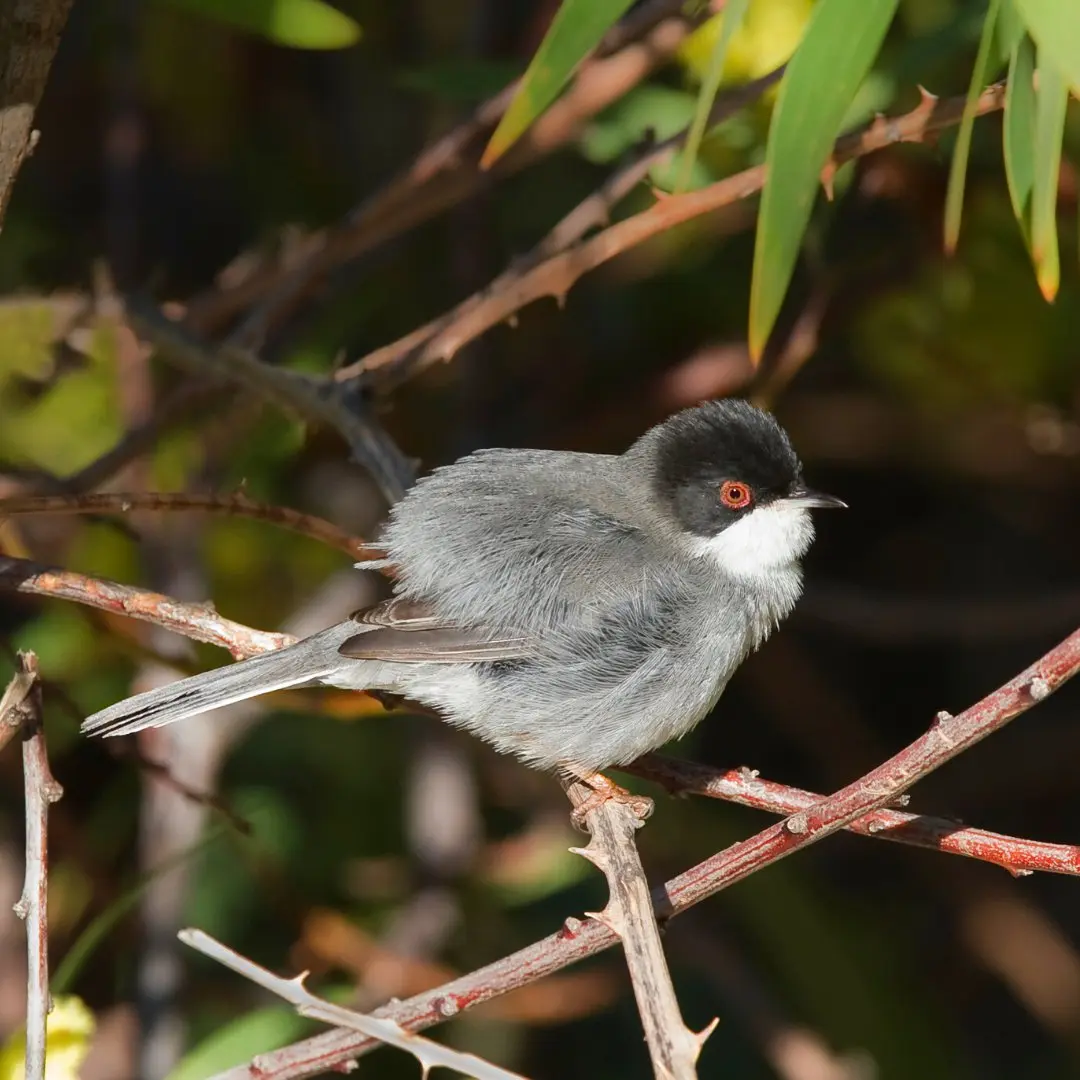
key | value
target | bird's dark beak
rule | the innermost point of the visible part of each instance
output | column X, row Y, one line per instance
column 814, row 500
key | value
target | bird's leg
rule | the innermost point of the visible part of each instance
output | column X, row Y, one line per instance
column 602, row 790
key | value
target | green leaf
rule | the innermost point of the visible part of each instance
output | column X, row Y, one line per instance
column 730, row 21
column 299, row 24
column 1051, row 99
column 954, row 199
column 842, row 39
column 233, row 1043
column 1018, row 140
column 1009, row 32
column 1055, row 26
column 575, row 31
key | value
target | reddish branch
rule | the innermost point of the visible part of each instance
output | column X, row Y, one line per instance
column 198, row 621
column 203, row 623
column 21, row 709
column 556, row 275
column 947, row 737
column 237, row 505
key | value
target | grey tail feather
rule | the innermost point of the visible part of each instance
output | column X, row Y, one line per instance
column 305, row 662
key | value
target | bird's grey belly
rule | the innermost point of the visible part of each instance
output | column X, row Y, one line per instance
column 587, row 711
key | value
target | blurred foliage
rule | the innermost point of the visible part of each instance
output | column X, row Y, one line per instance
column 940, row 398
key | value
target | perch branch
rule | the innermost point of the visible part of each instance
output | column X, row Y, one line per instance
column 744, row 786
column 556, row 275
column 429, row 1054
column 239, row 505
column 21, row 708
column 202, row 623
column 197, row 621
column 576, row 940
column 673, row 1047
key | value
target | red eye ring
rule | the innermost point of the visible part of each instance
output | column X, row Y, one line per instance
column 735, row 495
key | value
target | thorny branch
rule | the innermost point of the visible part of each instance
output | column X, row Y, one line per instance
column 429, row 1054
column 202, row 623
column 576, row 940
column 673, row 1047
column 20, row 709
column 554, row 276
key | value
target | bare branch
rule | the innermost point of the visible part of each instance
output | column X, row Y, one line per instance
column 949, row 736
column 744, row 786
column 673, row 1047
column 556, row 275
column 237, row 504
column 318, row 400
column 202, row 623
column 21, row 707
column 197, row 621
column 428, row 1053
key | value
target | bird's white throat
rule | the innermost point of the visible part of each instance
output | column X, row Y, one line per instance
column 767, row 539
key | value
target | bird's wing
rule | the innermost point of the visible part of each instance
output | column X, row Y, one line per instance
column 519, row 541
column 407, row 631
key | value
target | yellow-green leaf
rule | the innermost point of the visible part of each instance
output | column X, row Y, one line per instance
column 1051, row 99
column 575, row 31
column 299, row 24
column 841, row 42
column 954, row 199
column 730, row 22
column 1055, row 26
column 68, row 1029
column 1018, row 142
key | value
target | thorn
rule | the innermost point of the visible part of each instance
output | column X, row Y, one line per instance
column 560, row 299
column 512, row 320
column 1039, row 688
column 828, row 174
column 875, row 826
column 926, row 99
column 610, row 921
column 942, row 717
column 747, row 773
column 1019, row 871
column 705, row 1032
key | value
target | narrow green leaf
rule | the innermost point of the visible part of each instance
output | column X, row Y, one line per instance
column 299, row 24
column 1009, row 32
column 575, row 31
column 954, row 199
column 841, row 42
column 1018, row 142
column 1055, row 26
column 1051, row 99
column 730, row 21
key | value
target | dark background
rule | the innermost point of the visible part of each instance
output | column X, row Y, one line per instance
column 940, row 398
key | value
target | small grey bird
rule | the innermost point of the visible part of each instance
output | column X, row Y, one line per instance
column 577, row 610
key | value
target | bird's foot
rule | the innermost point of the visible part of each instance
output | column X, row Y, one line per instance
column 604, row 790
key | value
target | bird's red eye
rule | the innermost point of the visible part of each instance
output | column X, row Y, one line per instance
column 735, row 496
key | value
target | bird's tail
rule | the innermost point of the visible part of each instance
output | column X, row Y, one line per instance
column 308, row 661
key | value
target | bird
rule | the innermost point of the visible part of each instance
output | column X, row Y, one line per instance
column 576, row 610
